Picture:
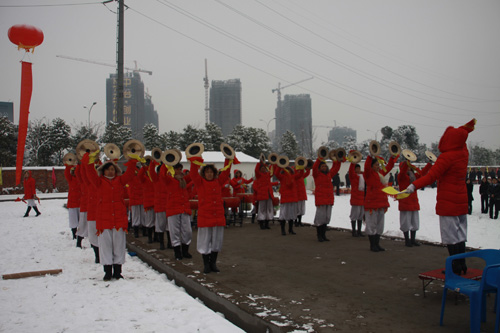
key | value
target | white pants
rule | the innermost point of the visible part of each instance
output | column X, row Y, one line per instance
column 357, row 213
column 210, row 239
column 82, row 230
column 93, row 238
column 160, row 222
column 409, row 220
column 180, row 229
column 74, row 216
column 301, row 207
column 266, row 210
column 112, row 247
column 375, row 221
column 137, row 215
column 323, row 215
column 288, row 211
column 149, row 218
column 453, row 229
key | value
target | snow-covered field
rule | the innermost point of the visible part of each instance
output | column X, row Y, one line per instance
column 145, row 301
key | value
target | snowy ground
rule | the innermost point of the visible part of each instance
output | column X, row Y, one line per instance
column 79, row 301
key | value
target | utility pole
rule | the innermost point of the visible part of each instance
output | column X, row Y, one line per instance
column 205, row 79
column 119, row 63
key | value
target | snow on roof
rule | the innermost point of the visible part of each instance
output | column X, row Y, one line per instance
column 217, row 157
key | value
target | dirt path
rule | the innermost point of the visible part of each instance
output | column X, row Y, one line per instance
column 297, row 283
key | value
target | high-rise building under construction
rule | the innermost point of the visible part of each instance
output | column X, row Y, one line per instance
column 294, row 114
column 225, row 104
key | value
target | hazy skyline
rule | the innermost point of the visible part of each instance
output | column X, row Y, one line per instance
column 430, row 64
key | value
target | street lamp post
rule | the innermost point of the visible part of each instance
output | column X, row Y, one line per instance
column 267, row 127
column 90, row 110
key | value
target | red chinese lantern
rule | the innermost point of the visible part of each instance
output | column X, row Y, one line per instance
column 25, row 36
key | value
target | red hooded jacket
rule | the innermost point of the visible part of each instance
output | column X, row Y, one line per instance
column 288, row 184
column 301, row 186
column 450, row 171
column 375, row 198
column 148, row 191
column 323, row 192
column 262, row 186
column 411, row 203
column 84, row 198
column 74, row 193
column 29, row 185
column 239, row 184
column 135, row 189
column 357, row 196
column 177, row 197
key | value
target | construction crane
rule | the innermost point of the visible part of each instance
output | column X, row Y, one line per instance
column 106, row 64
column 206, row 85
column 289, row 85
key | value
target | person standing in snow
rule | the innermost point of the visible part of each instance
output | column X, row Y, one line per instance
column 301, row 196
column 73, row 203
column 112, row 219
column 494, row 192
column 357, row 198
column 92, row 210
column 288, row 191
column 263, row 194
column 483, row 191
column 135, row 194
column 470, row 197
column 29, row 185
column 450, row 170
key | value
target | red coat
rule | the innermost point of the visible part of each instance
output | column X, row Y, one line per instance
column 450, row 171
column 288, row 185
column 226, row 189
column 210, row 203
column 375, row 198
column 357, row 196
column 135, row 190
column 148, row 193
column 160, row 200
column 323, row 192
column 74, row 193
column 177, row 197
column 411, row 203
column 301, row 186
column 84, row 198
column 239, row 184
column 262, row 186
column 29, row 185
column 112, row 210
column 93, row 196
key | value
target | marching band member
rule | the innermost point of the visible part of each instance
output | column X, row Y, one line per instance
column 82, row 230
column 288, row 197
column 178, row 210
column 148, row 201
column 409, row 207
column 159, row 206
column 323, row 195
column 263, row 195
column 73, row 203
column 357, row 198
column 112, row 220
column 136, row 198
column 450, row 170
column 376, row 202
column 211, row 218
column 93, row 197
column 301, row 196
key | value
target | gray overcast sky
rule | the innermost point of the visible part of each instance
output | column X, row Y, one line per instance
column 426, row 63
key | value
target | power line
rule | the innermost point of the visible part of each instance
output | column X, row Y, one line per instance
column 52, row 5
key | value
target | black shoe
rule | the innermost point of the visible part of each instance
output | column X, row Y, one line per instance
column 377, row 243
column 290, row 228
column 117, row 274
column 29, row 209
column 323, row 233
column 213, row 262
column 177, row 252
column 185, row 251
column 353, row 227
column 373, row 248
column 96, row 253
column 108, row 272
column 36, row 210
column 360, row 223
column 169, row 243
column 144, row 232
column 266, row 224
column 79, row 241
column 150, row 235
column 413, row 238
column 407, row 239
column 73, row 231
column 282, row 224
column 161, row 238
column 261, row 225
column 318, row 232
column 206, row 263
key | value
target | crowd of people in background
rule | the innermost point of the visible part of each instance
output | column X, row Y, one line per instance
column 489, row 190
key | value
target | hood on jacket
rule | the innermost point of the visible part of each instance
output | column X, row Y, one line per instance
column 455, row 138
column 117, row 168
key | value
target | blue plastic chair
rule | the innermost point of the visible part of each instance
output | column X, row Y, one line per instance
column 494, row 281
column 476, row 290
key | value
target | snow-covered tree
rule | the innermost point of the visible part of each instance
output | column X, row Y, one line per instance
column 170, row 140
column 480, row 156
column 117, row 134
column 151, row 137
column 8, row 142
column 406, row 136
column 249, row 140
column 213, row 137
column 60, row 140
column 191, row 135
column 82, row 131
column 289, row 145
column 38, row 143
column 350, row 143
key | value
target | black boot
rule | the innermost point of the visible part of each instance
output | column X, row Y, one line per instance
column 108, row 272
column 266, row 224
column 318, row 232
column 353, row 227
column 296, row 222
column 29, row 209
column 407, row 239
column 177, row 252
column 136, row 232
column 282, row 224
column 117, row 271
column 206, row 263
column 169, row 242
column 377, row 243
column 323, row 232
column 150, row 235
column 36, row 210
column 456, row 265
column 290, row 228
column 261, row 224
column 300, row 220
column 461, row 249
column 79, row 241
column 360, row 223
column 73, row 231
column 96, row 253
column 185, row 251
column 373, row 247
column 161, row 238
column 413, row 238
column 253, row 218
column 213, row 262
column 144, row 231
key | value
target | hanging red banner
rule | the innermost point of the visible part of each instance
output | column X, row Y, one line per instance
column 24, row 110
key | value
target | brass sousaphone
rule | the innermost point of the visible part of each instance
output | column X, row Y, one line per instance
column 70, row 159
column 112, row 151
column 323, row 152
column 156, row 154
column 195, row 149
column 170, row 157
column 133, row 147
column 394, row 148
column 273, row 158
column 86, row 146
column 227, row 151
column 375, row 149
column 355, row 156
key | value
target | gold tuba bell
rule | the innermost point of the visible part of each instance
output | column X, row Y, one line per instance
column 283, row 161
column 355, row 156
column 301, row 161
column 86, row 146
column 272, row 158
column 112, row 151
column 195, row 149
column 394, row 148
column 133, row 147
column 170, row 157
